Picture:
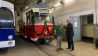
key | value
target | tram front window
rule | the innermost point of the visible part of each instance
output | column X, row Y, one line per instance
column 45, row 18
column 6, row 18
column 42, row 18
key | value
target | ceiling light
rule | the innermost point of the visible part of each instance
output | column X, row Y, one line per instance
column 68, row 1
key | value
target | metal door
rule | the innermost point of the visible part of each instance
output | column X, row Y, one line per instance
column 75, row 20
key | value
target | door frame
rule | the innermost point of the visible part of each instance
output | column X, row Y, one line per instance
column 93, row 26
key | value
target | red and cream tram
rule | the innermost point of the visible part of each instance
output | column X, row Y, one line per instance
column 38, row 24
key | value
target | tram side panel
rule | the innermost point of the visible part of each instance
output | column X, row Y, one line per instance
column 29, row 31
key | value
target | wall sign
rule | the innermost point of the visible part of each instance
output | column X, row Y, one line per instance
column 75, row 24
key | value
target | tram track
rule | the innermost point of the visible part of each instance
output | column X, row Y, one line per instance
column 48, row 50
column 64, row 51
column 45, row 50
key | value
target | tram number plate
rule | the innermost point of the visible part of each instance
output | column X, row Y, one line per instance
column 10, row 43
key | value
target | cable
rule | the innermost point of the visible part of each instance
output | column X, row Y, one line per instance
column 45, row 26
column 51, row 33
column 38, row 34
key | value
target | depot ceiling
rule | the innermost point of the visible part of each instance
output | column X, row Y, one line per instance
column 20, row 4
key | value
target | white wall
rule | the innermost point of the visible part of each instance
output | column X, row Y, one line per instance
column 77, row 8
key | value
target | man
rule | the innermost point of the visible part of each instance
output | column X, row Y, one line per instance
column 59, row 36
column 70, row 34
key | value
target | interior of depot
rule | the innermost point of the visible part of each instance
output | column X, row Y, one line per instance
column 83, row 13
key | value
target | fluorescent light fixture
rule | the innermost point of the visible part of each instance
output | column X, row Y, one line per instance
column 68, row 1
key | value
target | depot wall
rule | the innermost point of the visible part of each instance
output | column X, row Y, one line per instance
column 78, row 8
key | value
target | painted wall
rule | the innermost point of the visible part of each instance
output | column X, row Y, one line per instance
column 76, row 8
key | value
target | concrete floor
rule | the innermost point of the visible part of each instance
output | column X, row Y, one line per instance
column 26, row 48
column 81, row 49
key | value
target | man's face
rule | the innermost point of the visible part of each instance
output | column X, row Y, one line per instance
column 68, row 21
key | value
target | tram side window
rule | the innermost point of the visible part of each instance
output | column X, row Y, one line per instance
column 28, row 18
column 41, row 18
column 6, row 18
column 49, row 19
column 46, row 18
column 38, row 18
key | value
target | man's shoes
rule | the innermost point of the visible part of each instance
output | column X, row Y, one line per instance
column 57, row 50
column 60, row 48
column 67, row 48
column 72, row 50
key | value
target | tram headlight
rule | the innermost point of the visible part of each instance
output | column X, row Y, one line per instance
column 10, row 37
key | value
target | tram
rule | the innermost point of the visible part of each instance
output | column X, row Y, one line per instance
column 7, row 33
column 38, row 23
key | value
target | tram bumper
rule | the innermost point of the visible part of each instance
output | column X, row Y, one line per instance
column 7, row 38
column 7, row 44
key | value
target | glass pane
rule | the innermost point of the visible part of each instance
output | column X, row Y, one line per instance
column 43, row 18
column 90, row 19
column 6, row 18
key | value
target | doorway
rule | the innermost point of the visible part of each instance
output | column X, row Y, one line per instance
column 87, row 28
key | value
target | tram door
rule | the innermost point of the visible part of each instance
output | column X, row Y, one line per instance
column 7, row 33
column 77, row 27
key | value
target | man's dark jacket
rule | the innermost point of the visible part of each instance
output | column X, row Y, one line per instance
column 69, row 30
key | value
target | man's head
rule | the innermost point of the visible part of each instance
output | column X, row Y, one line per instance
column 68, row 20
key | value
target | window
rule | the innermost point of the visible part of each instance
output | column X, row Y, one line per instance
column 6, row 18
column 41, row 18
column 28, row 18
column 90, row 19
